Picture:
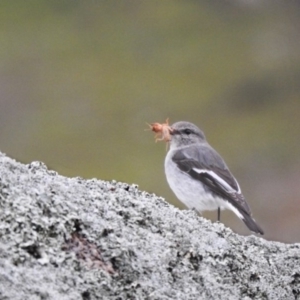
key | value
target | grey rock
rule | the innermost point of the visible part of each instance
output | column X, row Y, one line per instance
column 70, row 238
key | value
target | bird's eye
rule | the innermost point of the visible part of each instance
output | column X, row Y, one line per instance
column 187, row 131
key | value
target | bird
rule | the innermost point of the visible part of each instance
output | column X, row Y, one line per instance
column 200, row 178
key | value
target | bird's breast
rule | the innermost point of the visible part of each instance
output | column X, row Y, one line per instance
column 189, row 191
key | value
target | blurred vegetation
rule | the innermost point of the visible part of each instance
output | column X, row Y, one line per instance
column 80, row 79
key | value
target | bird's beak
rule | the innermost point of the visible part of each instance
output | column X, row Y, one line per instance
column 172, row 131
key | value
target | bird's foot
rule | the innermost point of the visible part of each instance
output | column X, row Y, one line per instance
column 196, row 211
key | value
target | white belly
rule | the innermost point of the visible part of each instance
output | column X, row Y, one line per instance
column 190, row 191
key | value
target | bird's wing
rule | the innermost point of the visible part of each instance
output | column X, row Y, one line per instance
column 203, row 163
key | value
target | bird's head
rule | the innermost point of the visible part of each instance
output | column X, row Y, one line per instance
column 185, row 133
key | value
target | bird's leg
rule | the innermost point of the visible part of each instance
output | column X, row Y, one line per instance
column 194, row 209
column 219, row 214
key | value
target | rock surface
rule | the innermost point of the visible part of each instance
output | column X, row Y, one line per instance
column 70, row 238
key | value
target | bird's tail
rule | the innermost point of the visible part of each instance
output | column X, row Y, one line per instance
column 251, row 223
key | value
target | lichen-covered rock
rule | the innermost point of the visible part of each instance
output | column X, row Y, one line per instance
column 70, row 238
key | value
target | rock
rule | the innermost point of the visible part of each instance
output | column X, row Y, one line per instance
column 70, row 238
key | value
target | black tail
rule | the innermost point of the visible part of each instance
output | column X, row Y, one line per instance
column 251, row 224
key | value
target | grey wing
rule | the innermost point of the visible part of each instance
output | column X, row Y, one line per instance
column 203, row 163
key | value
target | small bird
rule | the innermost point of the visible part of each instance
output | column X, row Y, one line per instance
column 199, row 177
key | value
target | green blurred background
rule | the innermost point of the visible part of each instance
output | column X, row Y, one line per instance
column 80, row 79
